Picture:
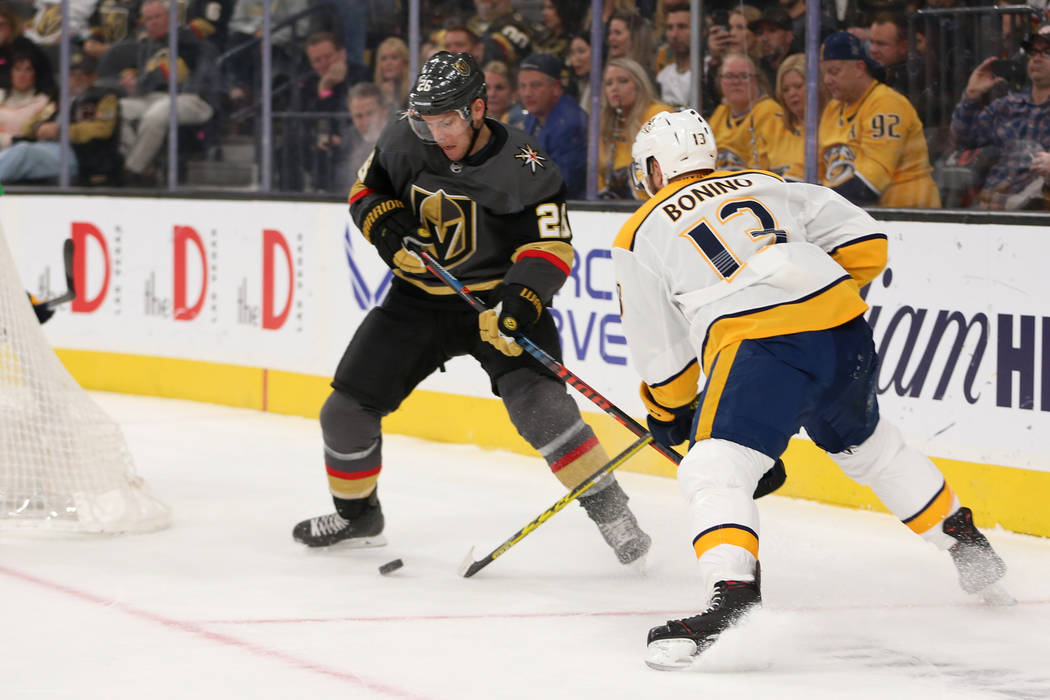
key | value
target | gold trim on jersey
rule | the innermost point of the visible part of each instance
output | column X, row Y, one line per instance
column 726, row 534
column 831, row 307
column 863, row 259
column 716, row 384
column 562, row 250
column 675, row 392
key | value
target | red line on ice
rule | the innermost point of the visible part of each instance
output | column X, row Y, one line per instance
column 196, row 629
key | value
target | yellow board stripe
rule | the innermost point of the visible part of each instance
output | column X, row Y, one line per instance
column 1011, row 497
column 716, row 384
column 935, row 511
column 736, row 535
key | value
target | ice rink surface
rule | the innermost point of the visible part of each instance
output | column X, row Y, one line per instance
column 225, row 605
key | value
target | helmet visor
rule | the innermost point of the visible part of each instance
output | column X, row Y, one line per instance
column 443, row 128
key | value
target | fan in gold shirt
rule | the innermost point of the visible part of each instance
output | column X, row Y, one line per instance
column 872, row 148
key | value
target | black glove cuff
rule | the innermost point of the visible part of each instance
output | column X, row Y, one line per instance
column 521, row 309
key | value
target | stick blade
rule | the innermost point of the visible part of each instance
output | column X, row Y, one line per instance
column 468, row 561
column 67, row 261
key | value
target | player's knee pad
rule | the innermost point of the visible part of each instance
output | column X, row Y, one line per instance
column 538, row 405
column 866, row 461
column 714, row 464
column 347, row 426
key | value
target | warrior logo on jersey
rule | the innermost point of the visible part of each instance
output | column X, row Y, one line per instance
column 839, row 164
column 529, row 157
column 450, row 221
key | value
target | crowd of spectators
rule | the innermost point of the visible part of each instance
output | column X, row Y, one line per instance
column 909, row 95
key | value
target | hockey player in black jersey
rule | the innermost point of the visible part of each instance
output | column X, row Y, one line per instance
column 489, row 205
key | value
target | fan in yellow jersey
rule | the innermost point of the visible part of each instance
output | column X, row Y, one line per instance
column 628, row 100
column 747, row 117
column 786, row 154
column 871, row 141
column 754, row 283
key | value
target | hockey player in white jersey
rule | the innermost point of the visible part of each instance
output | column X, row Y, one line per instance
column 753, row 284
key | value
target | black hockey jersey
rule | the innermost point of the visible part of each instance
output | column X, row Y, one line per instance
column 498, row 215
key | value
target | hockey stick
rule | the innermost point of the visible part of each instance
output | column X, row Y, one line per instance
column 542, row 356
column 70, row 294
column 773, row 479
column 471, row 567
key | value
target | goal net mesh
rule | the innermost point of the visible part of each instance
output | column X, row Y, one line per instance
column 64, row 463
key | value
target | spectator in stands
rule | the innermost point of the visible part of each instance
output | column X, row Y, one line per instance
column 608, row 10
column 631, row 36
column 580, row 69
column 905, row 72
column 244, row 68
column 112, row 21
column 1018, row 125
column 796, row 9
column 45, row 27
column 23, row 107
column 561, row 19
column 785, row 154
column 504, row 33
column 323, row 92
column 145, row 111
column 94, row 115
column 461, row 39
column 555, row 119
column 13, row 41
column 391, row 72
column 776, row 40
column 501, row 84
column 747, row 118
column 741, row 38
column 718, row 44
column 628, row 101
column 210, row 21
column 369, row 113
column 675, row 79
column 871, row 140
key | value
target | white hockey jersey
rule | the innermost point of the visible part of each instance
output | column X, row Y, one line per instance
column 712, row 261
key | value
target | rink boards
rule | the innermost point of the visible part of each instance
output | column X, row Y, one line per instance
column 250, row 303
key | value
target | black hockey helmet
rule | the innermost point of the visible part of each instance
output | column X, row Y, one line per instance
column 447, row 82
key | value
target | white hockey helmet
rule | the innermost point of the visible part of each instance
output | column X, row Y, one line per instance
column 680, row 142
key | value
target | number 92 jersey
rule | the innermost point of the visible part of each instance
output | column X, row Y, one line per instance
column 710, row 261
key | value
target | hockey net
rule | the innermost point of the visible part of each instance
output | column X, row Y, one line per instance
column 64, row 464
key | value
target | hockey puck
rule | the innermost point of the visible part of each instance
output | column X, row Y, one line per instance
column 393, row 565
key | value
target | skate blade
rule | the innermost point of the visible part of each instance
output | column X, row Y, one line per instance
column 671, row 654
column 639, row 565
column 995, row 594
column 352, row 543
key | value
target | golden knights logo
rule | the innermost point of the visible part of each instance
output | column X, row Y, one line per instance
column 450, row 220
column 529, row 157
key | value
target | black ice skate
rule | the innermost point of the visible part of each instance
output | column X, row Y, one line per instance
column 362, row 529
column 608, row 509
column 675, row 645
column 980, row 568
